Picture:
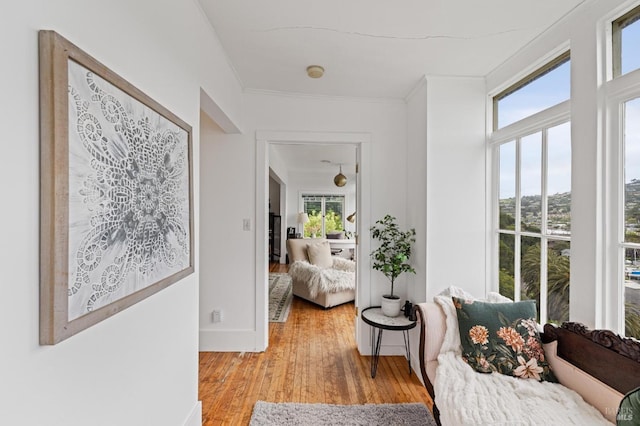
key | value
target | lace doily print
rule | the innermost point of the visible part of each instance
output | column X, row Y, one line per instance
column 128, row 194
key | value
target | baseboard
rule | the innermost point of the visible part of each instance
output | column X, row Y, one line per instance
column 195, row 418
column 228, row 341
column 393, row 350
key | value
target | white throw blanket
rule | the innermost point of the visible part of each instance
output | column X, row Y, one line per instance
column 340, row 277
column 466, row 397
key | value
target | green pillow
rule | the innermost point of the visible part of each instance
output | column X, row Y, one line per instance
column 629, row 410
column 502, row 337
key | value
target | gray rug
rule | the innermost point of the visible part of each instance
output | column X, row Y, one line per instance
column 289, row 413
column 280, row 297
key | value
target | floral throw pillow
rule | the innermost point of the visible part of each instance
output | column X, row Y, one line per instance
column 502, row 337
column 629, row 410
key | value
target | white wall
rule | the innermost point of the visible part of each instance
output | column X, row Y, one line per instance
column 417, row 188
column 456, row 214
column 277, row 165
column 582, row 31
column 384, row 120
column 446, row 178
column 226, row 249
column 278, row 172
column 274, row 196
column 141, row 365
column 446, row 192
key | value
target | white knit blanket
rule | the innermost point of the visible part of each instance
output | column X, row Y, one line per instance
column 466, row 397
column 340, row 277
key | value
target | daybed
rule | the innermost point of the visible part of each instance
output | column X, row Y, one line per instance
column 320, row 278
column 598, row 365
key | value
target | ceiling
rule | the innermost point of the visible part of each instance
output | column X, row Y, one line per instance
column 369, row 48
column 317, row 158
column 373, row 48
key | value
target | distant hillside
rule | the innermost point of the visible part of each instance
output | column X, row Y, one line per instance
column 559, row 216
column 632, row 201
column 560, row 209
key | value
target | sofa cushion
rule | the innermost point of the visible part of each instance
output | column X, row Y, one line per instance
column 335, row 235
column 434, row 320
column 297, row 249
column 592, row 390
column 503, row 338
column 320, row 254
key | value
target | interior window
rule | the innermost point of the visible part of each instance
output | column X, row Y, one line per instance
column 326, row 213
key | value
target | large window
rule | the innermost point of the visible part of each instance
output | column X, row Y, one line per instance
column 534, row 226
column 533, row 197
column 326, row 213
column 625, row 107
column 631, row 239
column 548, row 86
column 626, row 43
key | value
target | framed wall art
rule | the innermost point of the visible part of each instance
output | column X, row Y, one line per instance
column 116, row 192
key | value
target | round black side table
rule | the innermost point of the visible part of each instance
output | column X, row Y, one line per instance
column 379, row 322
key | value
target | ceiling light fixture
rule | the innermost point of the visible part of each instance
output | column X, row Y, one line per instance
column 340, row 179
column 315, row 71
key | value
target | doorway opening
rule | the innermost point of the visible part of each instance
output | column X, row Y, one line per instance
column 270, row 163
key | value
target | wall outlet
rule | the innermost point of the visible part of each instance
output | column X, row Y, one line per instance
column 216, row 315
column 246, row 224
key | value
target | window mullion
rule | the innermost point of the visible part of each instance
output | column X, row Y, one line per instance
column 544, row 200
column 619, row 310
column 544, row 204
column 518, row 243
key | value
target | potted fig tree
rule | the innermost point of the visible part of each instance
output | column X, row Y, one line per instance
column 392, row 257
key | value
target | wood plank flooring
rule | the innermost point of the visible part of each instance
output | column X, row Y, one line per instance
column 311, row 358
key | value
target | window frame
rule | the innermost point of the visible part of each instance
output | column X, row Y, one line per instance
column 617, row 25
column 617, row 89
column 546, row 68
column 618, row 94
column 539, row 122
column 560, row 118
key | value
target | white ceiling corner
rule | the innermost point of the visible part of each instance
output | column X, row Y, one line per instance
column 369, row 48
column 373, row 48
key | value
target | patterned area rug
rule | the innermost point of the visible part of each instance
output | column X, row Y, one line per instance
column 280, row 297
column 288, row 413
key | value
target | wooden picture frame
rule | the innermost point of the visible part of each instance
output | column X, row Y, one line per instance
column 116, row 196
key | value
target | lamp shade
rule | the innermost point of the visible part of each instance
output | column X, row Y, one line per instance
column 303, row 218
column 352, row 217
column 340, row 179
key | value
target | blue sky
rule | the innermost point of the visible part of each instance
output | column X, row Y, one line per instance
column 630, row 62
column 548, row 90
column 631, row 47
column 559, row 163
column 632, row 140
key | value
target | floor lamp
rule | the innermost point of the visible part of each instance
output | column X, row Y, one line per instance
column 302, row 219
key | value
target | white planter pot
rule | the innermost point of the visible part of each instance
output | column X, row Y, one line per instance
column 390, row 307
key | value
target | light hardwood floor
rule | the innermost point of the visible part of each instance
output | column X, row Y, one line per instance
column 311, row 358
